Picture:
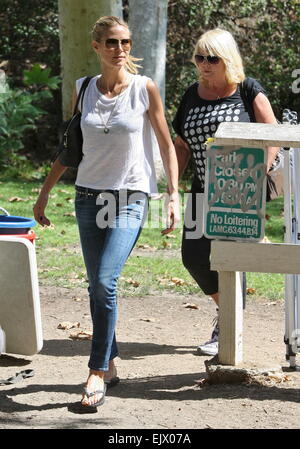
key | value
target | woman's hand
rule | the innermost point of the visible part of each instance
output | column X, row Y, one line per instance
column 39, row 210
column 54, row 175
column 173, row 215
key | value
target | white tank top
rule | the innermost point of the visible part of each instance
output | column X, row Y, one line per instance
column 122, row 158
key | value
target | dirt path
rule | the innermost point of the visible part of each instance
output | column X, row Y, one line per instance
column 158, row 369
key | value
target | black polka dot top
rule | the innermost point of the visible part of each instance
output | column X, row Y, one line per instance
column 197, row 119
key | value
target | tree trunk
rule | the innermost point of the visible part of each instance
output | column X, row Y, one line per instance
column 148, row 23
column 76, row 18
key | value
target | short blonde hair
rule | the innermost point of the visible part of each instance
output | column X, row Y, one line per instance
column 219, row 42
column 100, row 28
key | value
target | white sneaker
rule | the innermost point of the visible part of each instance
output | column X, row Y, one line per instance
column 211, row 347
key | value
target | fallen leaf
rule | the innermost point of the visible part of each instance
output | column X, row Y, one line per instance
column 164, row 281
column 145, row 246
column 70, row 214
column 132, row 282
column 15, row 199
column 166, row 245
column 250, row 291
column 76, row 299
column 148, row 320
column 171, row 281
column 65, row 325
column 178, row 281
column 81, row 335
column 188, row 305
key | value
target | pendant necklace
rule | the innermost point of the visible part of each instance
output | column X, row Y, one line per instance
column 105, row 124
column 106, row 129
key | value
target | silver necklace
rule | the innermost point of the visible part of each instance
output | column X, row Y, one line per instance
column 105, row 124
column 106, row 129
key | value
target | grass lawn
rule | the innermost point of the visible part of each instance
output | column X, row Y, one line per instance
column 154, row 266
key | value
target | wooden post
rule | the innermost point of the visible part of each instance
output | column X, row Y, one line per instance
column 230, row 257
column 230, row 318
column 248, row 257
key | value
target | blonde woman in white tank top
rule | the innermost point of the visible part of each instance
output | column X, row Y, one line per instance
column 122, row 119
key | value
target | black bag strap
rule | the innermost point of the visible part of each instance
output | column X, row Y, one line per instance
column 248, row 105
column 83, row 87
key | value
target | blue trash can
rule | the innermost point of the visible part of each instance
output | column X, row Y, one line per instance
column 12, row 225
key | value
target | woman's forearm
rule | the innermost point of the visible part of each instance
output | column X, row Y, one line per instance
column 171, row 168
column 183, row 155
column 57, row 170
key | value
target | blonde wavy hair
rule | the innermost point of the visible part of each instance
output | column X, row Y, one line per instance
column 99, row 30
column 219, row 42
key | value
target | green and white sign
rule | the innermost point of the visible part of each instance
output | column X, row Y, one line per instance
column 235, row 191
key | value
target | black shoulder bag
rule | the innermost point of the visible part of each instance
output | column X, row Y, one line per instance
column 70, row 138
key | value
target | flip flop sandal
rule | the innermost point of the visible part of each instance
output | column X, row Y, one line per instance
column 93, row 393
column 17, row 377
column 112, row 382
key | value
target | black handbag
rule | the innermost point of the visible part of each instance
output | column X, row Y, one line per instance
column 70, row 136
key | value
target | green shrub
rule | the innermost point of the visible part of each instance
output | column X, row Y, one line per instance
column 19, row 111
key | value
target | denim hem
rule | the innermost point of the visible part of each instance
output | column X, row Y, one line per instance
column 97, row 369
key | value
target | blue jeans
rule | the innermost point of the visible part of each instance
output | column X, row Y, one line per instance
column 109, row 226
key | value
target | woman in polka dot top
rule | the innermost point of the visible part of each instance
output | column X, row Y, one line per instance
column 214, row 99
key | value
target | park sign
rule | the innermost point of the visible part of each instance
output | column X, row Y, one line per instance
column 235, row 192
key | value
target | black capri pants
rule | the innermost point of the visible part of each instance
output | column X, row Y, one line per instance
column 195, row 250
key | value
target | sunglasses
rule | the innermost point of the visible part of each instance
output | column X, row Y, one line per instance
column 210, row 59
column 114, row 43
